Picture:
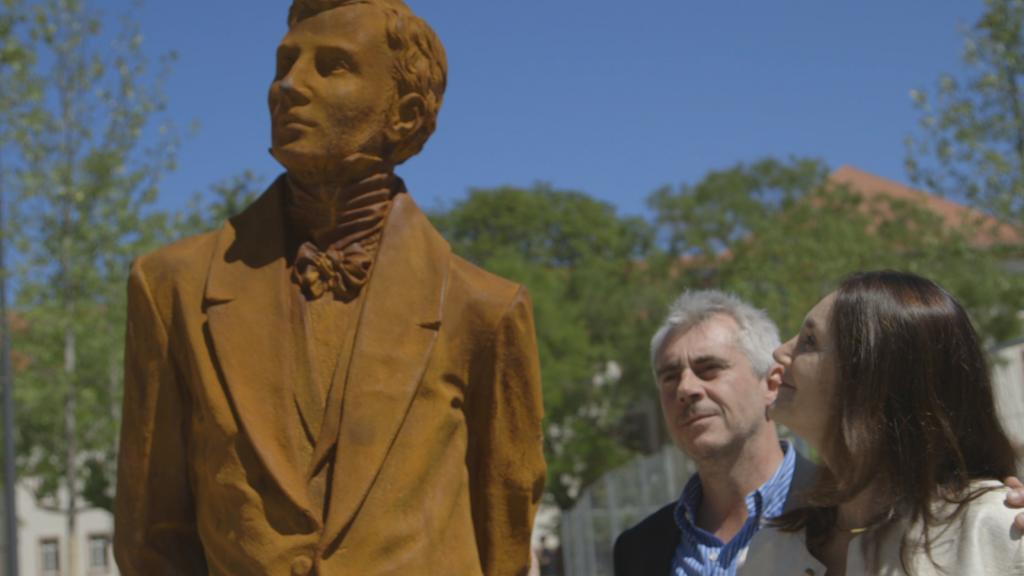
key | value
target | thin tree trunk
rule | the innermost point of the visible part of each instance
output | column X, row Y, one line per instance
column 1010, row 78
column 114, row 384
column 7, row 376
column 66, row 85
column 70, row 437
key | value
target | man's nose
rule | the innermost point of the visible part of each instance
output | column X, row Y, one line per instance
column 294, row 85
column 690, row 387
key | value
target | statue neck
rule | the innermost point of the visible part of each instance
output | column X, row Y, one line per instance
column 322, row 213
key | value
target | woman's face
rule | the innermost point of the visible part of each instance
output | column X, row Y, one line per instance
column 807, row 383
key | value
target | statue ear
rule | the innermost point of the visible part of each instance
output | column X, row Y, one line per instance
column 407, row 117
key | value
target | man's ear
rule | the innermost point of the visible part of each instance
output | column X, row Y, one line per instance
column 773, row 382
column 407, row 117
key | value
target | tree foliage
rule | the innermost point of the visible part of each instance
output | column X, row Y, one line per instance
column 584, row 267
column 781, row 234
column 229, row 197
column 85, row 188
column 971, row 137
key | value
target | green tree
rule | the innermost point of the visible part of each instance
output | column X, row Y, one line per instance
column 84, row 190
column 782, row 234
column 230, row 197
column 586, row 269
column 971, row 137
column 19, row 91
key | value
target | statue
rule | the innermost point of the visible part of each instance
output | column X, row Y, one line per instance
column 320, row 386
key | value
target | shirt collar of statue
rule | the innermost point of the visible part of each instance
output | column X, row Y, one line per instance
column 339, row 229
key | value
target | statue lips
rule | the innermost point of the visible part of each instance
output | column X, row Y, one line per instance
column 290, row 120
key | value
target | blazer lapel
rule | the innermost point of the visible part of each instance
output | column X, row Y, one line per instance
column 805, row 474
column 396, row 332
column 256, row 336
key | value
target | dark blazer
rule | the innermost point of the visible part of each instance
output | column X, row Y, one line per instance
column 647, row 549
column 439, row 464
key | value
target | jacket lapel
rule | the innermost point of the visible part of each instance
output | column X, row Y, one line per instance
column 805, row 474
column 257, row 336
column 396, row 332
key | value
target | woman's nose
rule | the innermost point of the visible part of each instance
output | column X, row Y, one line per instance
column 782, row 353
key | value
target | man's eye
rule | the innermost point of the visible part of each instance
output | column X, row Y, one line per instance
column 284, row 65
column 709, row 373
column 330, row 62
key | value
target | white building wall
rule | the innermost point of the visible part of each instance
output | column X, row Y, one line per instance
column 36, row 525
column 1008, row 379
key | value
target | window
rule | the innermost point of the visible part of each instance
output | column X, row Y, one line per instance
column 49, row 552
column 99, row 554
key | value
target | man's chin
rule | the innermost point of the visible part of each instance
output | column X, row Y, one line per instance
column 297, row 158
column 306, row 167
column 315, row 166
column 701, row 447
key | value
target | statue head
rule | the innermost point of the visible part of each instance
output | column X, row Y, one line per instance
column 354, row 79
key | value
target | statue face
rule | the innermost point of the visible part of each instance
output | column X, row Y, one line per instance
column 333, row 94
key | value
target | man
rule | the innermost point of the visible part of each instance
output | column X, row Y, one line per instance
column 320, row 386
column 713, row 365
column 712, row 360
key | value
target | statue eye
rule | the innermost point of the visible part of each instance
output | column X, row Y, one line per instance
column 331, row 61
column 285, row 60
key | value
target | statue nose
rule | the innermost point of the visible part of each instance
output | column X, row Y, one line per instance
column 293, row 90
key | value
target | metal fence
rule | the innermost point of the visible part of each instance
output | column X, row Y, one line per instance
column 618, row 500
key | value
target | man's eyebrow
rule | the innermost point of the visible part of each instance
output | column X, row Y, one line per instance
column 670, row 366
column 286, row 51
column 343, row 49
column 709, row 359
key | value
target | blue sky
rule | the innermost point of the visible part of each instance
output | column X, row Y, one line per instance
column 612, row 98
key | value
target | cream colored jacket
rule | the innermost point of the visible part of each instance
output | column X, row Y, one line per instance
column 981, row 542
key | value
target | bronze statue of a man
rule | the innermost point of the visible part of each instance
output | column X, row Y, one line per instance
column 320, row 386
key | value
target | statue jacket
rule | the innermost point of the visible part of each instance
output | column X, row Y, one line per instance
column 437, row 450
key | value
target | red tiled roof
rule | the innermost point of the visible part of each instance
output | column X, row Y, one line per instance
column 991, row 230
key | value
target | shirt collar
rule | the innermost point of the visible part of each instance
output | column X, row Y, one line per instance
column 764, row 503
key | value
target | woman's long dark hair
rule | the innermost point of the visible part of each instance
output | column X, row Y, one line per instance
column 914, row 407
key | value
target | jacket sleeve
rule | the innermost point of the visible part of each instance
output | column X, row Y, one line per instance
column 155, row 529
column 506, row 455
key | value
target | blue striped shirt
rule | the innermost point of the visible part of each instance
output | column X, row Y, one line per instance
column 701, row 553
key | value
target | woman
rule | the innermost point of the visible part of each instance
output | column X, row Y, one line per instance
column 887, row 380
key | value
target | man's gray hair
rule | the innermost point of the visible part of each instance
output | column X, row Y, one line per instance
column 758, row 335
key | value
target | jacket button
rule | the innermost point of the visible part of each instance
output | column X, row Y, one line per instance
column 301, row 566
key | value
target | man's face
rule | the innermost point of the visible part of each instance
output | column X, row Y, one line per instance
column 333, row 93
column 712, row 400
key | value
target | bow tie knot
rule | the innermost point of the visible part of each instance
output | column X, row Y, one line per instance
column 348, row 223
column 341, row 271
